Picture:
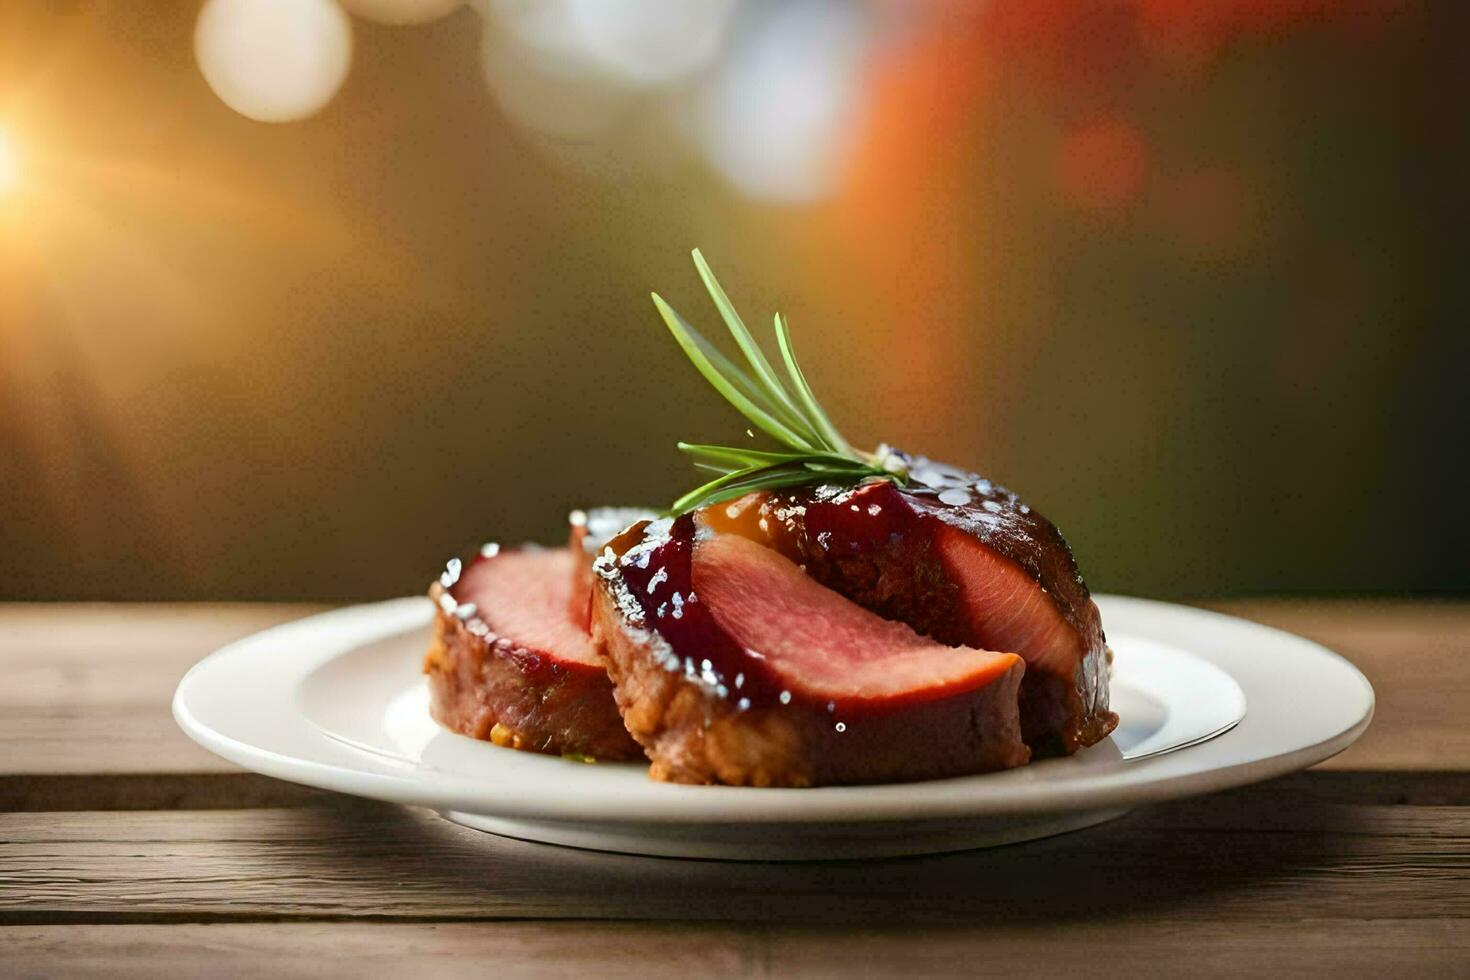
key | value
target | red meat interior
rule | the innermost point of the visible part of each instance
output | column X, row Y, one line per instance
column 525, row 596
column 820, row 644
column 1007, row 609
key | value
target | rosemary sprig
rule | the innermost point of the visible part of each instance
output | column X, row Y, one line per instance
column 814, row 451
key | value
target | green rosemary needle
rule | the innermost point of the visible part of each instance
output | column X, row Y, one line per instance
column 813, row 450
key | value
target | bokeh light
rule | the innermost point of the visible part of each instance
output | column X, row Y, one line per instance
column 547, row 95
column 398, row 12
column 781, row 117
column 651, row 42
column 273, row 60
column 1102, row 165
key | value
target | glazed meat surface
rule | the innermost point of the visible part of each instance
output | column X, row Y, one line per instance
column 731, row 665
column 959, row 559
column 591, row 530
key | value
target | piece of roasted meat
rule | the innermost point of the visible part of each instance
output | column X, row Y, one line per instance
column 842, row 635
column 510, row 663
column 731, row 665
column 964, row 561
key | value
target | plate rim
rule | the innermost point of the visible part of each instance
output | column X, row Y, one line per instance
column 961, row 797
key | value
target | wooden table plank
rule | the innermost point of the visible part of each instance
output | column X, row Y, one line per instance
column 132, row 738
column 88, row 686
column 234, row 790
column 118, row 653
column 1301, row 947
column 1253, row 855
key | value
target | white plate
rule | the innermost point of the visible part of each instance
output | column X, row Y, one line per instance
column 1207, row 702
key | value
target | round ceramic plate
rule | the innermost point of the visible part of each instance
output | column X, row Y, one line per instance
column 337, row 701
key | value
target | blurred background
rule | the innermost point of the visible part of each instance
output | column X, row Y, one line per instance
column 299, row 297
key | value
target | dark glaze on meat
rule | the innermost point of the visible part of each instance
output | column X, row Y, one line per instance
column 953, row 555
column 825, row 693
column 590, row 531
column 650, row 569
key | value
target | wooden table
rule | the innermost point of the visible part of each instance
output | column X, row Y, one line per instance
column 127, row 850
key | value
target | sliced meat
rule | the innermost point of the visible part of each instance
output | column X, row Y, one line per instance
column 510, row 664
column 732, row 666
column 591, row 530
column 960, row 559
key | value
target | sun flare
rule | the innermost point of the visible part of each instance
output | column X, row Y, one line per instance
column 10, row 168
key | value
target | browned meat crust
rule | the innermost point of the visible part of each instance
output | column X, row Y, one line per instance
column 894, row 552
column 494, row 687
column 697, row 732
column 694, row 736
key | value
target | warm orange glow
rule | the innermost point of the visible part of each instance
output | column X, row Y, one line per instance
column 10, row 169
column 1102, row 165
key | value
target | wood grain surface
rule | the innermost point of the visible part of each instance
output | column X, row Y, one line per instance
column 1298, row 948
column 125, row 850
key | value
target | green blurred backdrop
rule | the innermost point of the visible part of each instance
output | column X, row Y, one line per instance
column 1190, row 282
